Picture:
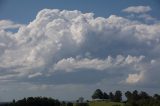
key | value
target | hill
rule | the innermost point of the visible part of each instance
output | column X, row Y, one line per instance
column 100, row 103
column 105, row 103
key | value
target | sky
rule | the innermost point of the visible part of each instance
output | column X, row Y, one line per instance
column 66, row 49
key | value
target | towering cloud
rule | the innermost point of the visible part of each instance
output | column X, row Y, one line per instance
column 58, row 43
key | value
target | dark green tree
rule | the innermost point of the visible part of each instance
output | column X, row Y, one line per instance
column 105, row 95
column 144, row 95
column 69, row 104
column 128, row 95
column 63, row 103
column 97, row 94
column 118, row 96
column 111, row 96
column 135, row 95
column 156, row 96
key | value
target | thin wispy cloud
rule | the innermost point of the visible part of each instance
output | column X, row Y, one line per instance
column 137, row 9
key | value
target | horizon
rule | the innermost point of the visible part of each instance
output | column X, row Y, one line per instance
column 67, row 49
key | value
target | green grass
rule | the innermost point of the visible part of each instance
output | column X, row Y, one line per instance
column 105, row 103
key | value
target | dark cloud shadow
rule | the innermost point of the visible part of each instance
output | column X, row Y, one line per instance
column 82, row 76
column 78, row 77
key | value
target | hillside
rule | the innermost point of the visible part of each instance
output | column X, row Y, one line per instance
column 105, row 103
column 100, row 103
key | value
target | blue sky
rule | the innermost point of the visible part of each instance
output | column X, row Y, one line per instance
column 68, row 48
column 25, row 11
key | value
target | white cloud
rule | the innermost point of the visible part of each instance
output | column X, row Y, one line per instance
column 137, row 9
column 38, row 87
column 58, row 50
column 55, row 38
column 35, row 75
column 146, row 17
column 5, row 77
column 71, row 64
column 135, row 78
column 153, row 61
column 7, row 24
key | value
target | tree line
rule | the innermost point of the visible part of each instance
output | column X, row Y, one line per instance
column 42, row 101
column 134, row 98
column 115, row 97
column 37, row 101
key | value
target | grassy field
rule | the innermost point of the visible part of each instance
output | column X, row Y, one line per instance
column 105, row 103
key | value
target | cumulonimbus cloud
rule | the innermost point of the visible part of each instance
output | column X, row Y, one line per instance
column 60, row 40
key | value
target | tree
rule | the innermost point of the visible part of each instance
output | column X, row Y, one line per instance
column 157, row 97
column 105, row 95
column 111, row 96
column 118, row 96
column 63, row 103
column 80, row 100
column 69, row 104
column 128, row 95
column 97, row 94
column 144, row 95
column 135, row 95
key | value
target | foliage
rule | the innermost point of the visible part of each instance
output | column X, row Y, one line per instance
column 81, row 104
column 134, row 98
column 97, row 94
column 141, row 99
column 105, row 103
column 118, row 96
column 105, row 95
column 36, row 101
